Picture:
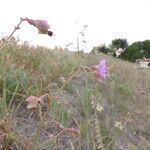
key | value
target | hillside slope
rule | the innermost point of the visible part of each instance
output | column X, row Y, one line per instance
column 80, row 112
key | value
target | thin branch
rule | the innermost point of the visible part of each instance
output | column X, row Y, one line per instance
column 15, row 29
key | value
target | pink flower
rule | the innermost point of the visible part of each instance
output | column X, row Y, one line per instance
column 102, row 69
column 42, row 26
column 99, row 71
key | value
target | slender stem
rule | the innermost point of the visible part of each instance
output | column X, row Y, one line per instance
column 15, row 29
column 68, row 80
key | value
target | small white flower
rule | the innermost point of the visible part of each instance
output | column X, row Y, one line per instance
column 99, row 108
column 119, row 125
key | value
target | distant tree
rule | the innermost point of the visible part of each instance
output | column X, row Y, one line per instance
column 119, row 43
column 146, row 48
column 102, row 48
column 133, row 52
column 137, row 50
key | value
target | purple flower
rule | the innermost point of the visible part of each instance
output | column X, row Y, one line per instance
column 102, row 69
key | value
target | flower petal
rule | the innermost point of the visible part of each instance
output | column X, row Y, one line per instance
column 32, row 102
column 102, row 69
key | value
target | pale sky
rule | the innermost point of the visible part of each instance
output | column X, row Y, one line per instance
column 106, row 20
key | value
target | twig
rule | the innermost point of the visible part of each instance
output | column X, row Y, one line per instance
column 15, row 29
column 73, row 74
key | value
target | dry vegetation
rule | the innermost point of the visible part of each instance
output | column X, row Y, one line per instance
column 81, row 113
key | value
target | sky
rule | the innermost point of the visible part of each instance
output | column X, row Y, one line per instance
column 106, row 20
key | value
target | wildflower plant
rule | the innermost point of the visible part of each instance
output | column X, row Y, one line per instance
column 34, row 102
column 42, row 26
column 99, row 71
